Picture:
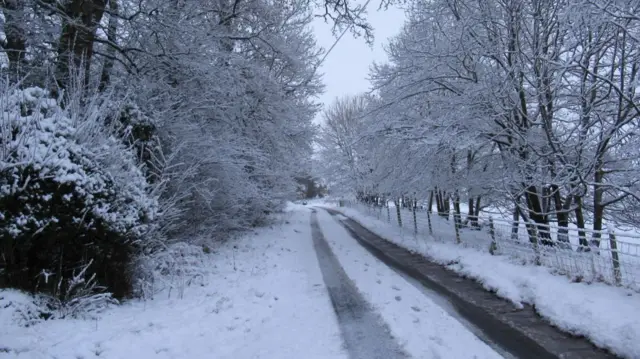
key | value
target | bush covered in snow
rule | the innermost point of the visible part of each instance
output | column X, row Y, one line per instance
column 172, row 270
column 22, row 309
column 72, row 197
column 212, row 128
column 137, row 130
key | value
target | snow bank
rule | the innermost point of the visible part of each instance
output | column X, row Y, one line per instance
column 608, row 316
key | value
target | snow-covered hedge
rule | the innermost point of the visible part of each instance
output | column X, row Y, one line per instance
column 70, row 194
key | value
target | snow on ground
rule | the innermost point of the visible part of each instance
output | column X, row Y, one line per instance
column 273, row 305
column 607, row 315
column 420, row 325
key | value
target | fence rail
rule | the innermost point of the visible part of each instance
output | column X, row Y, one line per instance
column 615, row 260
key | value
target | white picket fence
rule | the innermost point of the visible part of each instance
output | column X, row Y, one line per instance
column 616, row 261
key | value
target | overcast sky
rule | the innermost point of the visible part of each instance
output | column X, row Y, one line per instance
column 346, row 69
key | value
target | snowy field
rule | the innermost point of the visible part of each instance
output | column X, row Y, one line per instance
column 607, row 315
column 420, row 325
column 264, row 297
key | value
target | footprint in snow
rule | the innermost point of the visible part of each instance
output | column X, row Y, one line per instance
column 395, row 288
column 436, row 340
column 223, row 303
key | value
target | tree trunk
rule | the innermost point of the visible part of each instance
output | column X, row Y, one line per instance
column 474, row 212
column 107, row 67
column 598, row 208
column 537, row 214
column 430, row 205
column 457, row 217
column 75, row 47
column 446, row 206
column 15, row 44
column 531, row 228
column 477, row 213
column 582, row 235
column 562, row 215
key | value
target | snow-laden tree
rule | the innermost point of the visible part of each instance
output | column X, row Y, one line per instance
column 527, row 105
column 249, row 92
column 213, row 101
column 341, row 144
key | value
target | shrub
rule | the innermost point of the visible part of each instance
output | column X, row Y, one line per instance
column 139, row 132
column 72, row 199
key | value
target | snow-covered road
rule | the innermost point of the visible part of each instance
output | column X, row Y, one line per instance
column 365, row 333
column 304, row 288
column 422, row 327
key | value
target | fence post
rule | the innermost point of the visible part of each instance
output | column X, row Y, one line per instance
column 456, row 218
column 398, row 213
column 492, row 232
column 613, row 244
column 415, row 221
column 388, row 213
column 429, row 221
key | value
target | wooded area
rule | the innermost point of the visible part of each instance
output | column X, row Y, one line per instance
column 129, row 126
column 527, row 106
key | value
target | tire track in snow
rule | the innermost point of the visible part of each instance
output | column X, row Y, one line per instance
column 365, row 334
